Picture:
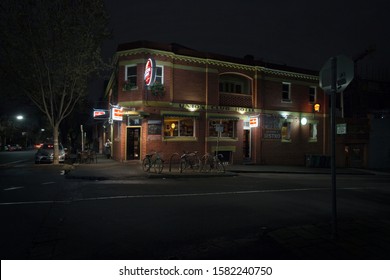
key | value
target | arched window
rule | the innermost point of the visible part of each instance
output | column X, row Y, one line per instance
column 234, row 83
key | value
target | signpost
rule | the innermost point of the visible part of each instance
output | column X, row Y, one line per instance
column 335, row 76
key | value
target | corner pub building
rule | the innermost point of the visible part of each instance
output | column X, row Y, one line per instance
column 247, row 110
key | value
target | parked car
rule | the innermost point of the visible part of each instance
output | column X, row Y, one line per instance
column 45, row 153
column 14, row 147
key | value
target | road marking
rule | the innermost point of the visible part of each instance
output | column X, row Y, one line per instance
column 48, row 183
column 13, row 188
column 169, row 195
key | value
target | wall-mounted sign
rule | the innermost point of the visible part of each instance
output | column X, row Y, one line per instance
column 150, row 72
column 254, row 122
column 341, row 128
column 100, row 114
column 117, row 114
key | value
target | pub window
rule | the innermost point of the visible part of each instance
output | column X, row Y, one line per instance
column 131, row 75
column 154, row 127
column 228, row 128
column 312, row 95
column 179, row 127
column 286, row 92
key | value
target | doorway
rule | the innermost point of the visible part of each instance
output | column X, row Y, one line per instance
column 246, row 145
column 133, row 143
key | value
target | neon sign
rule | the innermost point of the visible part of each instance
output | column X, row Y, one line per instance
column 150, row 72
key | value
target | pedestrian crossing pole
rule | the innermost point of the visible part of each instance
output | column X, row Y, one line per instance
column 333, row 145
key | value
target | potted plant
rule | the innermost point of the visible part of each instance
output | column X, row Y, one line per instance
column 127, row 85
column 157, row 89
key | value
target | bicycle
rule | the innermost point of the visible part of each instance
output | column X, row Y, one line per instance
column 210, row 162
column 153, row 160
column 190, row 160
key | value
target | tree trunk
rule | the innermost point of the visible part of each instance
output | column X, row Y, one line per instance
column 56, row 146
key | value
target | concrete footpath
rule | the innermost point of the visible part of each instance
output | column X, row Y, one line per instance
column 109, row 169
column 357, row 238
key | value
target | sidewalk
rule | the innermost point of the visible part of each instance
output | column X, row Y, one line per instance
column 109, row 169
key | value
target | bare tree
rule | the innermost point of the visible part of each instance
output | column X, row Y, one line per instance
column 50, row 50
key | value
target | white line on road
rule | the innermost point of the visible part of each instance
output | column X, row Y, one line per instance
column 48, row 183
column 167, row 195
column 13, row 188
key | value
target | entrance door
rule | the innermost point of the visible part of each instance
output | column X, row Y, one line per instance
column 133, row 143
column 246, row 145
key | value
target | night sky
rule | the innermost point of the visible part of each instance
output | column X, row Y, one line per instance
column 299, row 33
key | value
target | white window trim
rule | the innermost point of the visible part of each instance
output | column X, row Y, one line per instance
column 162, row 73
column 315, row 95
column 289, row 93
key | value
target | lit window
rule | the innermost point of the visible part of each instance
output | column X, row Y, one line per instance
column 312, row 95
column 228, row 128
column 131, row 75
column 179, row 127
column 286, row 92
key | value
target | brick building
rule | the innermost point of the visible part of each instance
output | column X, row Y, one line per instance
column 248, row 110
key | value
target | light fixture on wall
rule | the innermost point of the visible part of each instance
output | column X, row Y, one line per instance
column 316, row 107
column 303, row 121
column 173, row 125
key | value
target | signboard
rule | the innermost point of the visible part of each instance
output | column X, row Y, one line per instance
column 117, row 114
column 100, row 114
column 219, row 127
column 344, row 73
column 341, row 128
column 254, row 122
column 150, row 72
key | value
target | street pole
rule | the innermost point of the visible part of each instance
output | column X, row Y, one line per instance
column 333, row 148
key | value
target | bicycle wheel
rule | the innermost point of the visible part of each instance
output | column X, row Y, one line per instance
column 146, row 165
column 158, row 165
column 205, row 163
column 183, row 165
column 197, row 164
column 219, row 166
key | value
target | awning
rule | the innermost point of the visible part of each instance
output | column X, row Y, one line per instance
column 223, row 117
column 178, row 114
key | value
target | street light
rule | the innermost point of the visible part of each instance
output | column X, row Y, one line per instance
column 19, row 117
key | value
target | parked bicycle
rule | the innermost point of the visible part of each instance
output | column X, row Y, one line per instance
column 212, row 162
column 154, row 161
column 190, row 161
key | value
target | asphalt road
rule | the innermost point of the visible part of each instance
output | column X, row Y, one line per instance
column 45, row 216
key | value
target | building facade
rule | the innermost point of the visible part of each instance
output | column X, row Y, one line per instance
column 247, row 110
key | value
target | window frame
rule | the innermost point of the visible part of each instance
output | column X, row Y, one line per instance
column 178, row 127
column 286, row 100
column 127, row 76
column 221, row 134
column 312, row 95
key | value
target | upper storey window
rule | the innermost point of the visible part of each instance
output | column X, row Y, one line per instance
column 233, row 83
column 131, row 75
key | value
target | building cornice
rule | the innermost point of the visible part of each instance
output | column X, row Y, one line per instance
column 216, row 62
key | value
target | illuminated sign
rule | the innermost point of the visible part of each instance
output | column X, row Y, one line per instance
column 117, row 114
column 150, row 72
column 100, row 114
column 254, row 122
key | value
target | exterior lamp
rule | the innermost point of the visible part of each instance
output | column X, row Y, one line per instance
column 19, row 117
column 316, row 107
column 303, row 121
column 173, row 125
